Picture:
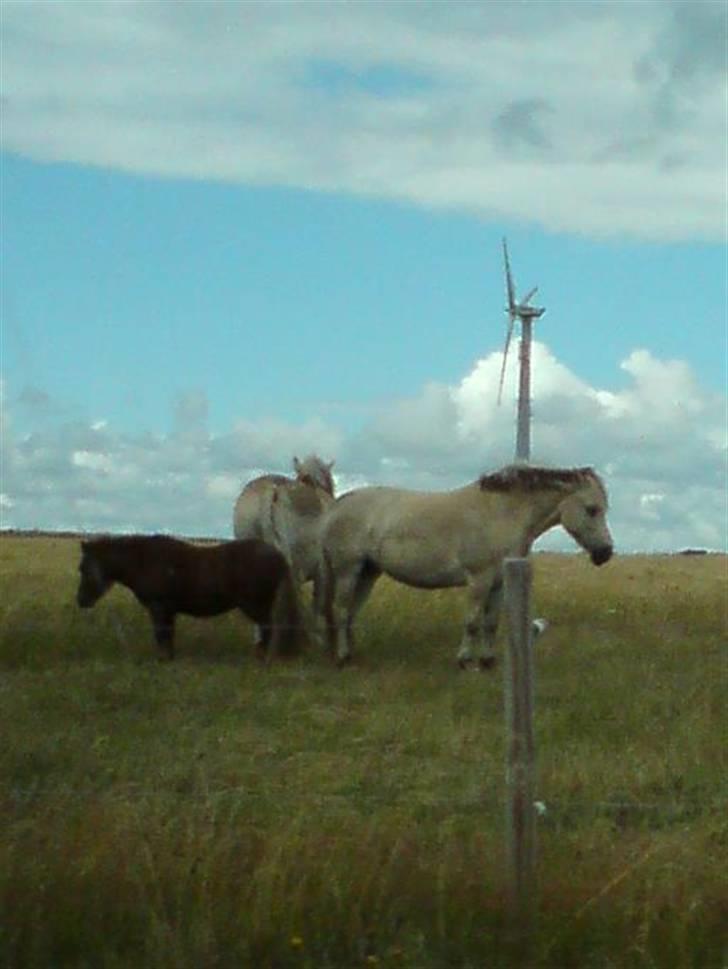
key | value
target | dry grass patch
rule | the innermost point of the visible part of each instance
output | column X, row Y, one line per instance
column 214, row 813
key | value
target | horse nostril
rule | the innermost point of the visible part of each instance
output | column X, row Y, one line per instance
column 601, row 555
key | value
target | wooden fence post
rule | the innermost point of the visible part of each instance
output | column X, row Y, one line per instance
column 520, row 757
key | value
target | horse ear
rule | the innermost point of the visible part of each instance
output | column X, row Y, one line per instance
column 330, row 464
column 296, row 465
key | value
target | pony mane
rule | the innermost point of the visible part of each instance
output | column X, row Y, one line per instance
column 313, row 471
column 111, row 541
column 521, row 477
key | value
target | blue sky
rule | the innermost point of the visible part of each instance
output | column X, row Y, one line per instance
column 235, row 232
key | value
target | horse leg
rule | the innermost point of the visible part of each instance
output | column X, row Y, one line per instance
column 318, row 605
column 365, row 583
column 163, row 621
column 261, row 642
column 342, row 597
column 481, row 621
column 491, row 617
column 491, row 609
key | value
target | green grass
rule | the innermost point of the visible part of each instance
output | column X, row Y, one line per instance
column 213, row 813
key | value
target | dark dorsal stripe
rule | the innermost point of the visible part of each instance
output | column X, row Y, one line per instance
column 525, row 478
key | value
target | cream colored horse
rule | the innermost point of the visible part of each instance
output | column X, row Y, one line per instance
column 286, row 513
column 306, row 497
column 455, row 538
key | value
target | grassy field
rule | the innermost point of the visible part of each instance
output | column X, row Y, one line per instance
column 213, row 813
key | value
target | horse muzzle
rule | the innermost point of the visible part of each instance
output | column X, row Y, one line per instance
column 601, row 554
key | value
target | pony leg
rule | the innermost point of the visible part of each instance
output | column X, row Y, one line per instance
column 285, row 620
column 340, row 630
column 164, row 630
column 491, row 618
column 484, row 634
column 318, row 605
column 259, row 639
column 261, row 643
column 481, row 622
column 342, row 596
column 362, row 587
column 365, row 583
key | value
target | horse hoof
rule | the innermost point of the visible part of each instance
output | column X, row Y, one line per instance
column 486, row 662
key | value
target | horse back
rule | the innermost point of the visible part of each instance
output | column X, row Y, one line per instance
column 378, row 510
column 252, row 509
column 204, row 580
column 285, row 513
column 425, row 539
column 243, row 574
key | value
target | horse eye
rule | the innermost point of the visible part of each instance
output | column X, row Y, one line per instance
column 592, row 510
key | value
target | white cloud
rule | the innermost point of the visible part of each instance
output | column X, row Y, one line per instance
column 101, row 463
column 660, row 442
column 223, row 486
column 271, row 443
column 492, row 108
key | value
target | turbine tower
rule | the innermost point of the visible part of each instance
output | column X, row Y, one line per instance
column 522, row 311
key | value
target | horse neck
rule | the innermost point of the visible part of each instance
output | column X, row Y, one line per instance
column 310, row 481
column 309, row 498
column 532, row 512
column 117, row 563
column 545, row 512
column 325, row 497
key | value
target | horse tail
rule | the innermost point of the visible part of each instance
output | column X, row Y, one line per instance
column 285, row 618
column 278, row 523
column 326, row 571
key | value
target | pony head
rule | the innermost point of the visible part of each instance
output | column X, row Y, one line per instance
column 583, row 513
column 581, row 502
column 93, row 582
column 313, row 471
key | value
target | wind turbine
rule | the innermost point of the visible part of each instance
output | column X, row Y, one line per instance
column 522, row 311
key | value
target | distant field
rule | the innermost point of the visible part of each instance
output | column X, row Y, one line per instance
column 212, row 813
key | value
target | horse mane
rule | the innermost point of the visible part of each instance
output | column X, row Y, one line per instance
column 315, row 472
column 108, row 540
column 522, row 477
column 136, row 543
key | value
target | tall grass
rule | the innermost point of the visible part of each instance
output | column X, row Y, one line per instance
column 213, row 813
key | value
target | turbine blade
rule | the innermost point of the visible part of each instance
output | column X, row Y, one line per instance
column 509, row 334
column 510, row 288
column 530, row 296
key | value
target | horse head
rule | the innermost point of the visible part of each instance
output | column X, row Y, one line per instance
column 93, row 582
column 313, row 471
column 583, row 513
column 574, row 498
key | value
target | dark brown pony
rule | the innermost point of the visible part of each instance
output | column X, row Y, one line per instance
column 169, row 576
